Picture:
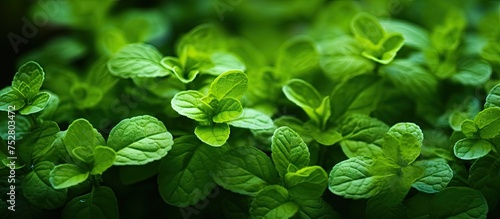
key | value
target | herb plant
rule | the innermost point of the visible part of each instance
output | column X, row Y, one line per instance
column 296, row 109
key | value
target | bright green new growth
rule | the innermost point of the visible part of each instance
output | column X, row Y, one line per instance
column 24, row 94
column 220, row 108
column 393, row 172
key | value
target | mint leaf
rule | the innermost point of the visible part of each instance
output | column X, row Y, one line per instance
column 67, row 175
column 84, row 154
column 472, row 72
column 81, row 134
column 100, row 203
column 173, row 64
column 222, row 62
column 315, row 209
column 386, row 50
column 215, row 135
column 104, row 157
column 353, row 178
column 361, row 135
column 488, row 122
column 308, row 98
column 402, row 143
column 359, row 94
column 306, row 183
column 459, row 202
column 137, row 60
column 232, row 83
column 367, row 29
column 493, row 98
column 245, row 170
column 469, row 149
column 189, row 104
column 38, row 103
column 469, row 128
column 273, row 203
column 38, row 190
column 297, row 56
column 184, row 174
column 11, row 97
column 414, row 35
column 32, row 75
column 139, row 140
column 288, row 148
column 228, row 109
column 437, row 175
column 42, row 137
column 252, row 119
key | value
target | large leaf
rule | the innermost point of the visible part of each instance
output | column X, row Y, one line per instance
column 139, row 140
column 469, row 149
column 38, row 190
column 137, row 60
column 288, row 148
column 437, row 175
column 306, row 183
column 459, row 202
column 473, row 72
column 252, row 119
column 233, row 83
column 184, row 174
column 100, row 203
column 245, row 170
column 273, row 203
column 37, row 104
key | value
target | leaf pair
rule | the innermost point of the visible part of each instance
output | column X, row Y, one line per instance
column 24, row 94
column 220, row 108
column 378, row 45
column 135, row 141
column 479, row 134
column 393, row 172
column 249, row 171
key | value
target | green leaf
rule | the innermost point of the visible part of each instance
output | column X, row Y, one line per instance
column 173, row 64
column 228, row 109
column 38, row 190
column 308, row 98
column 459, row 202
column 252, row 119
column 104, row 158
column 100, row 203
column 327, row 137
column 341, row 59
column 359, row 148
column 488, row 122
column 493, row 98
column 42, row 137
column 189, row 104
column 367, row 29
column 222, row 62
column 11, row 97
column 81, row 134
column 403, row 142
column 387, row 49
column 414, row 35
column 469, row 128
column 245, row 170
column 437, row 175
column 32, row 75
column 474, row 72
column 352, row 178
column 139, row 140
column 85, row 95
column 360, row 135
column 38, row 103
column 84, row 154
column 411, row 78
column 469, row 149
column 306, row 183
column 273, row 203
column 67, row 175
column 288, row 148
column 232, row 83
column 315, row 209
column 359, row 94
column 296, row 56
column 184, row 174
column 137, row 60
column 215, row 135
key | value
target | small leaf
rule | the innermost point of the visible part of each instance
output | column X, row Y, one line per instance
column 215, row 135
column 488, row 122
column 306, row 183
column 469, row 149
column 232, row 83
column 81, row 134
column 403, row 142
column 367, row 29
column 139, row 140
column 469, row 128
column 228, row 110
column 137, row 60
column 437, row 175
column 37, row 104
column 173, row 64
column 387, row 49
column 252, row 119
column 101, row 203
column 273, row 203
column 245, row 170
column 67, row 175
column 104, row 158
column 189, row 104
column 288, row 148
column 32, row 74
